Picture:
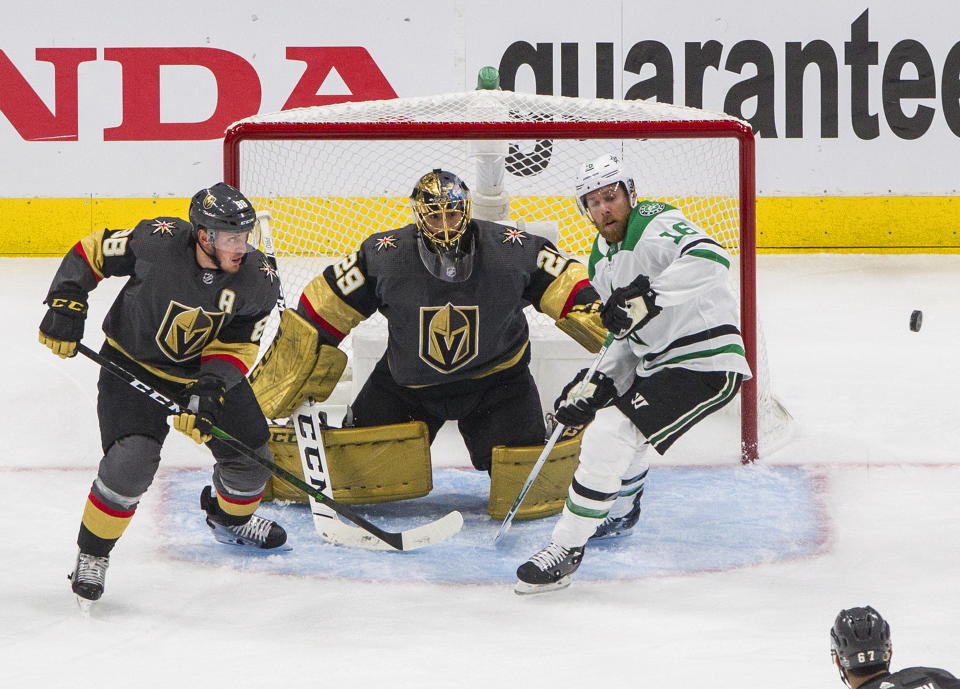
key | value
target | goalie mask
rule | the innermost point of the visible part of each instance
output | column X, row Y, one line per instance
column 228, row 218
column 442, row 211
column 860, row 638
column 602, row 172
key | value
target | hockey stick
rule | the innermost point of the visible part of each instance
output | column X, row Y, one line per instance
column 541, row 460
column 308, row 425
column 308, row 428
column 411, row 539
column 263, row 218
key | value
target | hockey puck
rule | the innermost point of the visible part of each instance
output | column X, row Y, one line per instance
column 916, row 320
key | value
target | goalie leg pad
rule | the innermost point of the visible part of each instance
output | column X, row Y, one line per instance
column 283, row 447
column 366, row 465
column 292, row 368
column 510, row 468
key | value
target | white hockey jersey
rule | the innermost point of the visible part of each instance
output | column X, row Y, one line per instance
column 689, row 271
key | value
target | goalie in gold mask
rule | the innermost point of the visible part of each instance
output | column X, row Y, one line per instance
column 452, row 289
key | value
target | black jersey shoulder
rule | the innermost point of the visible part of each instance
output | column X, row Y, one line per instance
column 915, row 678
column 386, row 253
column 155, row 241
column 389, row 242
column 155, row 236
column 508, row 244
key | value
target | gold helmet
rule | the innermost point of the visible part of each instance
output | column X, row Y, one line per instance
column 441, row 207
column 442, row 211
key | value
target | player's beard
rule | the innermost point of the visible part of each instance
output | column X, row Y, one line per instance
column 612, row 228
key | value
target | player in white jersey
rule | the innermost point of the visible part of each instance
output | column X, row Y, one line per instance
column 676, row 357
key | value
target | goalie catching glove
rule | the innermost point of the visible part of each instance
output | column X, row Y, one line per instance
column 629, row 308
column 580, row 399
column 204, row 402
column 62, row 326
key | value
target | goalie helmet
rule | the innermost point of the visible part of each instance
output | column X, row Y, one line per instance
column 859, row 638
column 442, row 211
column 602, row 172
column 225, row 213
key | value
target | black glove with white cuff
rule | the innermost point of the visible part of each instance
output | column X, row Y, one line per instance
column 629, row 308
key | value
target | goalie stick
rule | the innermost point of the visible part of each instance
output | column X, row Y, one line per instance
column 308, row 425
column 263, row 219
column 418, row 537
column 541, row 460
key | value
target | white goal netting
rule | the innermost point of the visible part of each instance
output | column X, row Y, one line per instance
column 327, row 177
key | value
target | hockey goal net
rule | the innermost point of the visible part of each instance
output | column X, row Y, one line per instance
column 327, row 177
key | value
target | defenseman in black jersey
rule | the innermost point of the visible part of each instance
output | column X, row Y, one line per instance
column 188, row 321
column 861, row 649
column 452, row 289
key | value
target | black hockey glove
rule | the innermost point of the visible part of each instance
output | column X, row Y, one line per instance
column 204, row 400
column 629, row 308
column 62, row 325
column 579, row 401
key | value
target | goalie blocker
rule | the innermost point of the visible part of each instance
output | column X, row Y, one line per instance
column 388, row 463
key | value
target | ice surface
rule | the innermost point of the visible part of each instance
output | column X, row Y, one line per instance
column 726, row 585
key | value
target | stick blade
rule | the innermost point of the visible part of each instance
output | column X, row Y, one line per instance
column 434, row 532
column 339, row 533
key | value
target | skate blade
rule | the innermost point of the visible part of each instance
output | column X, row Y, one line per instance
column 522, row 588
column 236, row 543
column 611, row 535
column 85, row 605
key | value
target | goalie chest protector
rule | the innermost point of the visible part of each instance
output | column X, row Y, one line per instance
column 440, row 331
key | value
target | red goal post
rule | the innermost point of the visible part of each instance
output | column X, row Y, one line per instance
column 301, row 179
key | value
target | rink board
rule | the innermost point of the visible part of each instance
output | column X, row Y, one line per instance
column 695, row 519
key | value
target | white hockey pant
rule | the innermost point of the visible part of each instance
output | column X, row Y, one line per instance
column 611, row 472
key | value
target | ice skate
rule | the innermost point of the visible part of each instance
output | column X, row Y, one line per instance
column 548, row 570
column 256, row 532
column 87, row 579
column 615, row 527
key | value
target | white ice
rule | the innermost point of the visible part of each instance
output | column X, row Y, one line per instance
column 876, row 415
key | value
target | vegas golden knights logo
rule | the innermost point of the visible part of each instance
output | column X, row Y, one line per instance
column 448, row 335
column 185, row 331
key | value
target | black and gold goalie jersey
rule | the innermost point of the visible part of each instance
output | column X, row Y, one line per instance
column 440, row 331
column 173, row 316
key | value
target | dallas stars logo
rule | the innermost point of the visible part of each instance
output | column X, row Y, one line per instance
column 163, row 227
column 268, row 269
column 388, row 242
column 514, row 237
column 649, row 208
